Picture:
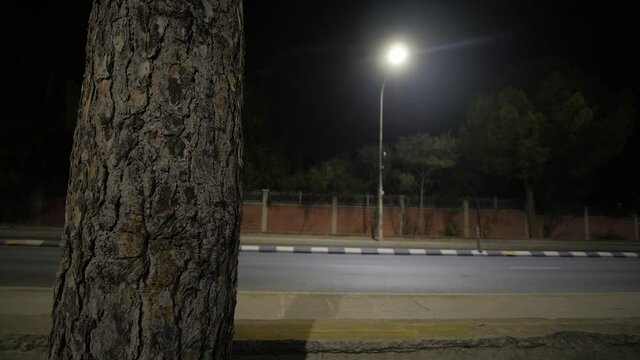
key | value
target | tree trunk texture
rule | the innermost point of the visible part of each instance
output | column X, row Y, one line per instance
column 150, row 244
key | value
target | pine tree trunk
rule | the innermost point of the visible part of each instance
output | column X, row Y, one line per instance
column 150, row 244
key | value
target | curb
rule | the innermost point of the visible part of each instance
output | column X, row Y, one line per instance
column 342, row 250
column 30, row 242
column 430, row 252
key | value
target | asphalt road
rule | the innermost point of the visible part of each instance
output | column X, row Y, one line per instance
column 36, row 266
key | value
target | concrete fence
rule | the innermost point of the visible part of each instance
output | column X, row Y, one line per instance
column 401, row 220
column 263, row 213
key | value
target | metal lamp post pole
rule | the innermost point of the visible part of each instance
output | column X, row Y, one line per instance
column 396, row 55
column 380, row 167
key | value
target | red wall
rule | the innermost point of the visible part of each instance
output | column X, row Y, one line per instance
column 299, row 219
column 52, row 212
column 251, row 217
column 359, row 220
column 498, row 223
column 355, row 220
column 602, row 227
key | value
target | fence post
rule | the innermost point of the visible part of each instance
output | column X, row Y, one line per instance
column 465, row 208
column 635, row 221
column 586, row 223
column 334, row 214
column 37, row 208
column 365, row 214
column 526, row 225
column 265, row 210
column 401, row 215
column 495, row 203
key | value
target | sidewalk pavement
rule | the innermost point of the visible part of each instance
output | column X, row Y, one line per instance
column 49, row 236
column 368, row 324
column 303, row 316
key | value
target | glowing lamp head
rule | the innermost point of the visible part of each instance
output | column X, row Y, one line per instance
column 397, row 54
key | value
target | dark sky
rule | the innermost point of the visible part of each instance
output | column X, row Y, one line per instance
column 318, row 64
column 321, row 60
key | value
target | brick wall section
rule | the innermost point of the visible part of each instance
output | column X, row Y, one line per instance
column 362, row 220
column 355, row 219
column 284, row 218
column 433, row 222
column 498, row 223
column 570, row 228
column 52, row 212
column 251, row 216
column 611, row 228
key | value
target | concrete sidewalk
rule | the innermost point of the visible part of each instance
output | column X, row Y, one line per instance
column 50, row 236
column 10, row 231
column 268, row 305
column 334, row 322
column 26, row 310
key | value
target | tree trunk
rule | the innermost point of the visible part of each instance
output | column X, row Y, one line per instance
column 547, row 226
column 531, row 211
column 150, row 244
column 550, row 212
column 420, row 219
column 479, row 227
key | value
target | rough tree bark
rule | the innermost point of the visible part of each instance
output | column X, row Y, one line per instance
column 150, row 244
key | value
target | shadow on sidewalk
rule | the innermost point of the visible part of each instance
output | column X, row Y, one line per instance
column 291, row 342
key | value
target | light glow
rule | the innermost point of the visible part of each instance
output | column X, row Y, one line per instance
column 397, row 54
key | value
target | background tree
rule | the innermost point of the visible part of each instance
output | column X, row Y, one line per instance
column 421, row 156
column 549, row 132
column 150, row 244
column 503, row 135
column 266, row 165
column 584, row 125
column 334, row 176
column 365, row 165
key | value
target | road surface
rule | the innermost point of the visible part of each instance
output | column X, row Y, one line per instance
column 36, row 266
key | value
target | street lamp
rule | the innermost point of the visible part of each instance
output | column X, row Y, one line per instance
column 396, row 55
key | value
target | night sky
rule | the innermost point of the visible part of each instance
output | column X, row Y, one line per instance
column 319, row 65
column 321, row 60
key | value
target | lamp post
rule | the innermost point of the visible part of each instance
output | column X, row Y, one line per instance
column 396, row 55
